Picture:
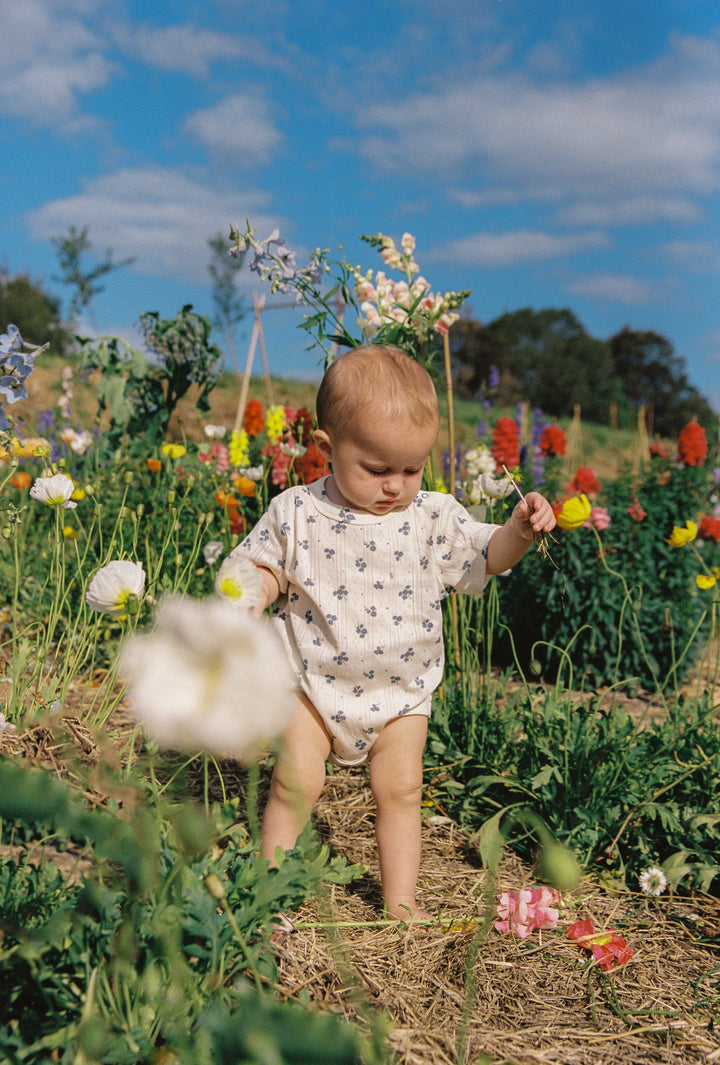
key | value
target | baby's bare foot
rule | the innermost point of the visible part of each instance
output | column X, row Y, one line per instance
column 408, row 912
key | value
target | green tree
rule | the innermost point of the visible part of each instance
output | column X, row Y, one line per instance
column 545, row 357
column 230, row 307
column 24, row 303
column 652, row 374
column 71, row 250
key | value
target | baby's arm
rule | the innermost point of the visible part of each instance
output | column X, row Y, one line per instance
column 271, row 590
column 508, row 545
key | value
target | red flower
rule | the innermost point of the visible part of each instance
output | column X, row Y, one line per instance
column 692, row 445
column 302, row 426
column 659, row 451
column 584, row 483
column 608, row 948
column 636, row 512
column 254, row 418
column 709, row 528
column 506, row 443
column 311, row 466
column 552, row 440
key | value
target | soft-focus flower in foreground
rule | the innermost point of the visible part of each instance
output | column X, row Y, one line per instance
column 54, row 491
column 679, row 536
column 116, row 588
column 523, row 911
column 608, row 948
column 240, row 581
column 209, row 678
column 653, row 881
column 574, row 512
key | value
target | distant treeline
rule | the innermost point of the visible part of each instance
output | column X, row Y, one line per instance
column 547, row 358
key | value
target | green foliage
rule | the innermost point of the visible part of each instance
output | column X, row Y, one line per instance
column 71, row 248
column 620, row 603
column 624, row 795
column 37, row 315
column 161, row 944
column 140, row 392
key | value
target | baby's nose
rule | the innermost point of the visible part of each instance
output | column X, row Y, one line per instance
column 393, row 484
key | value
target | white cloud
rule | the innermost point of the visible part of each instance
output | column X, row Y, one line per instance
column 186, row 47
column 157, row 216
column 522, row 245
column 653, row 129
column 693, row 254
column 50, row 59
column 616, row 288
column 240, row 126
column 633, row 211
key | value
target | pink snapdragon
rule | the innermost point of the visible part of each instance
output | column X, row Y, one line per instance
column 521, row 912
column 599, row 518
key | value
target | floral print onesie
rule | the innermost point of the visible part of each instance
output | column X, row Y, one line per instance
column 359, row 606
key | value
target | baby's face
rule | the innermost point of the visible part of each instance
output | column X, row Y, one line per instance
column 379, row 468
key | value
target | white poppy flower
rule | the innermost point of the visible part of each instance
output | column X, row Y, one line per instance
column 494, row 487
column 54, row 491
column 240, row 581
column 209, row 678
column 116, row 588
column 653, row 881
column 214, row 432
column 253, row 473
column 212, row 551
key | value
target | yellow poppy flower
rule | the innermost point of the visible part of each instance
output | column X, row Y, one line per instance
column 574, row 512
column 173, row 451
column 704, row 580
column 679, row 536
column 69, row 533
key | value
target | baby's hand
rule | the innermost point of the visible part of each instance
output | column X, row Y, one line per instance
column 535, row 515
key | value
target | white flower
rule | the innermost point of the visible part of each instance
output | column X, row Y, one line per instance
column 214, row 432
column 240, row 581
column 494, row 487
column 653, row 881
column 54, row 491
column 209, row 678
column 253, row 473
column 479, row 460
column 212, row 551
column 116, row 588
column 77, row 442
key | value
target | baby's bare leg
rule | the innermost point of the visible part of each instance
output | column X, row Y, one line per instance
column 297, row 779
column 396, row 781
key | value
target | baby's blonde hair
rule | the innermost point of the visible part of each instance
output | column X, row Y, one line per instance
column 380, row 377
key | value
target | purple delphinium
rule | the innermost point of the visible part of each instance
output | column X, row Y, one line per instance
column 493, row 377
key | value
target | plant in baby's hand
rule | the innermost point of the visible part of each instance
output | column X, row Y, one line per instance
column 403, row 311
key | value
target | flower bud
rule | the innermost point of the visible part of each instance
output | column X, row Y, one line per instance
column 128, row 477
column 214, row 886
column 171, row 496
column 558, row 866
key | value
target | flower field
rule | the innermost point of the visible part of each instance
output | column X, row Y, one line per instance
column 142, row 699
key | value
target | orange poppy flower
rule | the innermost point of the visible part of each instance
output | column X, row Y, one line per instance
column 21, row 480
column 154, row 465
column 244, row 485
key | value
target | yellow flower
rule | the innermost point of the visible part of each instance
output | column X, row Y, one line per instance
column 679, row 536
column 174, row 451
column 79, row 493
column 574, row 512
column 704, row 580
column 275, row 423
column 239, row 448
column 439, row 485
column 69, row 533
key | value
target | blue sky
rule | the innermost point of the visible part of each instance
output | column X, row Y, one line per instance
column 562, row 154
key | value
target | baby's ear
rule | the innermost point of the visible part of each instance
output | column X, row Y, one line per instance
column 323, row 444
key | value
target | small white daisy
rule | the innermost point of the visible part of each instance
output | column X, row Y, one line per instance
column 653, row 881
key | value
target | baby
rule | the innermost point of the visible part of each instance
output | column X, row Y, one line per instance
column 356, row 566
